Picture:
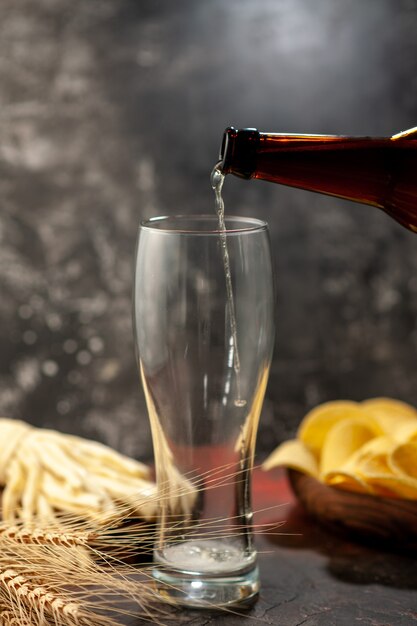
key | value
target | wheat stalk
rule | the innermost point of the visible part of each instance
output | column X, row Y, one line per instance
column 53, row 595
column 38, row 599
column 40, row 536
column 9, row 618
column 53, row 576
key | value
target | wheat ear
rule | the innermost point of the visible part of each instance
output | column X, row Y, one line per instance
column 9, row 618
column 51, row 577
column 39, row 604
column 40, row 536
column 37, row 598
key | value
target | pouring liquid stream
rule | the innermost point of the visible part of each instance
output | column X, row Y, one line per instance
column 217, row 180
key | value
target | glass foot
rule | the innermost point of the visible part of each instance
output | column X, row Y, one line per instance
column 186, row 589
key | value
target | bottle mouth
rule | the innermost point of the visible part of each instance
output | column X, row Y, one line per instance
column 226, row 149
column 238, row 151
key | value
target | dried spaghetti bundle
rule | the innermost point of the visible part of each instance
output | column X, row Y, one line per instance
column 44, row 472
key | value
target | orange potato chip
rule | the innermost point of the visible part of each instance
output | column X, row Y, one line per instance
column 367, row 452
column 403, row 460
column 394, row 486
column 318, row 422
column 375, row 465
column 344, row 439
column 292, row 454
column 406, row 431
column 347, row 481
column 389, row 405
column 374, row 447
column 377, row 472
column 369, row 447
column 396, row 418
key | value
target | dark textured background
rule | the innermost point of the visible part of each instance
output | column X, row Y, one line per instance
column 112, row 111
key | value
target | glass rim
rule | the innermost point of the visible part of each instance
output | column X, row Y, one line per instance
column 173, row 222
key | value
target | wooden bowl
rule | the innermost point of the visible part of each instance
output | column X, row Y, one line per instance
column 373, row 518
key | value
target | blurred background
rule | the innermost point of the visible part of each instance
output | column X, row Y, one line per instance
column 112, row 111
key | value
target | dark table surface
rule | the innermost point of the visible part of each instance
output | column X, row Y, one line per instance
column 311, row 576
column 315, row 577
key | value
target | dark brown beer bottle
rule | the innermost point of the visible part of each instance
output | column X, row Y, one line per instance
column 381, row 172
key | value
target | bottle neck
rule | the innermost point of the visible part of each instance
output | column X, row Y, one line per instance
column 371, row 170
column 240, row 148
column 238, row 151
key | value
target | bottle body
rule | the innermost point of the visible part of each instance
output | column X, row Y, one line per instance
column 381, row 172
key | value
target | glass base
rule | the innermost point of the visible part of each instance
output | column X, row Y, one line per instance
column 186, row 589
